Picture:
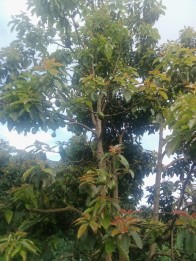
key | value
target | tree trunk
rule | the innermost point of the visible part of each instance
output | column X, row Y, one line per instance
column 108, row 257
column 99, row 127
column 115, row 194
column 100, row 151
column 152, row 250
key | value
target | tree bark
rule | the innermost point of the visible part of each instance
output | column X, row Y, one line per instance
column 100, row 151
column 152, row 250
column 98, row 128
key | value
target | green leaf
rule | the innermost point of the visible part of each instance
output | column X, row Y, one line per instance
column 115, row 232
column 16, row 250
column 14, row 115
column 94, row 226
column 27, row 173
column 23, row 254
column 180, row 238
column 8, row 215
column 82, row 230
column 29, row 245
column 172, row 145
column 109, row 246
column 137, row 239
column 163, row 94
column 94, row 96
column 132, row 173
column 106, row 221
column 124, row 162
column 127, row 95
column 192, row 123
column 190, row 243
column 108, row 51
column 123, row 250
column 101, row 116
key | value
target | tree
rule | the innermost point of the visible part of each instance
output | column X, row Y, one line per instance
column 105, row 76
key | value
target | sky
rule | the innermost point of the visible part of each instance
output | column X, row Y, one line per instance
column 179, row 13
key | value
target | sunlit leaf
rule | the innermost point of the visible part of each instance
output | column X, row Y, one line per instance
column 82, row 230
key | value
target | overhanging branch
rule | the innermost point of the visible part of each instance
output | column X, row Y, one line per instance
column 82, row 125
column 56, row 210
column 173, row 162
column 71, row 121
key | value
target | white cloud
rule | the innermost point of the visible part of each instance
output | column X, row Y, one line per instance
column 13, row 7
column 21, row 141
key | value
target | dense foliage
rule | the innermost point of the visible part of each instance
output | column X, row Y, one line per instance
column 95, row 68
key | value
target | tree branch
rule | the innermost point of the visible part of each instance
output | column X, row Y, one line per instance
column 180, row 200
column 93, row 117
column 164, row 254
column 173, row 162
column 56, row 210
column 82, row 125
column 189, row 206
column 72, row 121
column 121, row 112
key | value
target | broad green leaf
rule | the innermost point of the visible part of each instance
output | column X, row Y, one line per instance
column 190, row 242
column 111, row 184
column 8, row 214
column 109, row 246
column 123, row 251
column 132, row 173
column 137, row 239
column 124, row 162
column 163, row 94
column 180, row 238
column 29, row 245
column 106, row 221
column 101, row 116
column 172, row 145
column 192, row 123
column 126, row 95
column 108, row 51
column 115, row 232
column 94, row 226
column 82, row 230
column 27, row 173
column 23, row 254
column 94, row 96
column 16, row 250
column 125, row 242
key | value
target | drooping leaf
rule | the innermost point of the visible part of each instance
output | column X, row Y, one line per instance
column 82, row 230
column 8, row 214
column 137, row 239
column 124, row 162
column 123, row 249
